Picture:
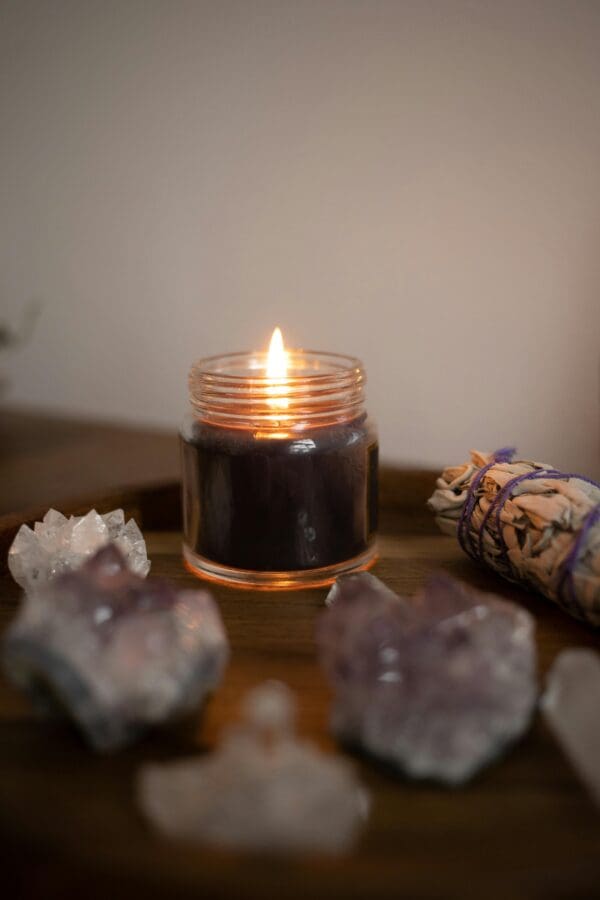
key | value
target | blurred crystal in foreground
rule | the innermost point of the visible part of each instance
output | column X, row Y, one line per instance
column 438, row 684
column 571, row 705
column 119, row 652
column 263, row 789
column 57, row 544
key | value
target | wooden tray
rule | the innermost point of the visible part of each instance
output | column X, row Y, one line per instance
column 69, row 825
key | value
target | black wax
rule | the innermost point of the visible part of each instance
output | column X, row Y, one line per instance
column 279, row 504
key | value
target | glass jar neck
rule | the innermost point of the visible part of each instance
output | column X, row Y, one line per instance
column 318, row 389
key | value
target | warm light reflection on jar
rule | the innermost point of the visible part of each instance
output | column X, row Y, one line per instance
column 279, row 468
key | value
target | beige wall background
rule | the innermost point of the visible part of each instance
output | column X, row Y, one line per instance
column 417, row 183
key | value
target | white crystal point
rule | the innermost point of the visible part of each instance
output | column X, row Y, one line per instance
column 130, row 541
column 57, row 544
column 270, row 708
column 354, row 586
column 25, row 559
column 88, row 533
column 115, row 522
column 571, row 706
column 263, row 789
column 54, row 518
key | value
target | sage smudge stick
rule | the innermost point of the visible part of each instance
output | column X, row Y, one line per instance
column 529, row 522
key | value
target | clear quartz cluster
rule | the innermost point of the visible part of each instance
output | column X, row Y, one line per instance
column 57, row 544
column 263, row 789
column 119, row 652
column 437, row 685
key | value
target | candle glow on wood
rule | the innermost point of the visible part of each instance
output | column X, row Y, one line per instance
column 277, row 366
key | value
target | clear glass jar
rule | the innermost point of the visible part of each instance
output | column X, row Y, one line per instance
column 279, row 474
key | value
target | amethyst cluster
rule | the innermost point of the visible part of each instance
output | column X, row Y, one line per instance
column 119, row 652
column 437, row 685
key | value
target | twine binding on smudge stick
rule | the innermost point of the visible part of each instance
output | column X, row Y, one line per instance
column 472, row 540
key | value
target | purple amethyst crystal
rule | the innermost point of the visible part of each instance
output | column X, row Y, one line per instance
column 437, row 685
column 119, row 652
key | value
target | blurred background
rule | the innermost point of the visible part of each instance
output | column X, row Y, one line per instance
column 416, row 183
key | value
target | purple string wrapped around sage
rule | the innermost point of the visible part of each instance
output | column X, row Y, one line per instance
column 530, row 523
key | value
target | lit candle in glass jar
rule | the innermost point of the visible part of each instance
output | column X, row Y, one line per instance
column 279, row 468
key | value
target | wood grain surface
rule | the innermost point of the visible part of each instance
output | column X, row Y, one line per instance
column 50, row 460
column 69, row 825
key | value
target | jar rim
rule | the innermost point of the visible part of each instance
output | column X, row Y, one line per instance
column 341, row 365
column 318, row 388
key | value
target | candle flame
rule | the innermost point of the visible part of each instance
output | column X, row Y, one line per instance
column 277, row 366
column 277, row 356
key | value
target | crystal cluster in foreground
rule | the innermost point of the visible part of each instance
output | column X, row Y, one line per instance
column 438, row 684
column 119, row 652
column 263, row 789
column 57, row 544
column 570, row 706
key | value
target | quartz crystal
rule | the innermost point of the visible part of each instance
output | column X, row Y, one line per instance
column 118, row 652
column 437, row 685
column 57, row 544
column 263, row 789
column 570, row 706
